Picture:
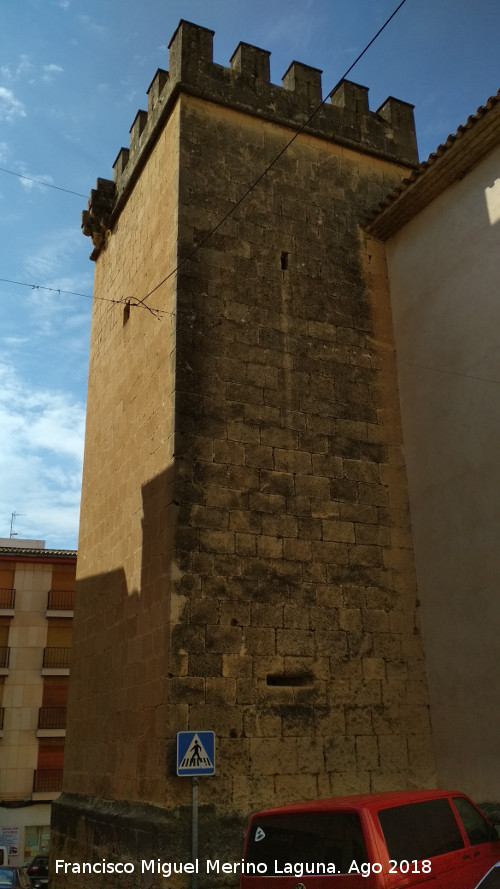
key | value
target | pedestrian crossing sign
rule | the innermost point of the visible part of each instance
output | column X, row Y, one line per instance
column 195, row 753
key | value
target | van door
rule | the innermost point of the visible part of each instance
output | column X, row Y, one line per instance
column 484, row 848
column 425, row 845
column 310, row 849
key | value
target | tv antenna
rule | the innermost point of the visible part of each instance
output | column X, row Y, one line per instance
column 14, row 516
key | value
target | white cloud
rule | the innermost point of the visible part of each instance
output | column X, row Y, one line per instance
column 29, row 183
column 14, row 341
column 55, row 424
column 296, row 29
column 10, row 107
column 92, row 26
column 14, row 72
column 50, row 72
column 55, row 113
column 41, row 447
column 4, row 152
column 52, row 256
column 25, row 68
column 58, row 261
column 36, row 419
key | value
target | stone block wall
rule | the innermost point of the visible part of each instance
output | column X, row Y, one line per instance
column 124, row 566
column 245, row 560
column 293, row 534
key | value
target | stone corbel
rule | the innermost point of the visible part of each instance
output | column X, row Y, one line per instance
column 96, row 219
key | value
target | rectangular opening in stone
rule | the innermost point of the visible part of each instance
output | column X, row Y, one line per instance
column 290, row 679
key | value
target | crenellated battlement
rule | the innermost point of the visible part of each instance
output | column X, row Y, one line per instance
column 245, row 85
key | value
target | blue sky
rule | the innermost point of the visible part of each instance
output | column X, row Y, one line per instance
column 73, row 74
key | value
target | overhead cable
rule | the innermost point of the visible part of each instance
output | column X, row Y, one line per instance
column 41, row 182
column 59, row 290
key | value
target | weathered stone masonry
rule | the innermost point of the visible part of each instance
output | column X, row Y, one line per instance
column 245, row 554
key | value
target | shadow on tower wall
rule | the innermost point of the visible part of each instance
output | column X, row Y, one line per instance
column 118, row 803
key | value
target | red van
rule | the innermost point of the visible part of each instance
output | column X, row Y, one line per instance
column 436, row 839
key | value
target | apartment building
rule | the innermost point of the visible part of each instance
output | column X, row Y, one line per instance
column 36, row 610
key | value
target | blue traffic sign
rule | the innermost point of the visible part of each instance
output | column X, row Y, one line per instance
column 195, row 753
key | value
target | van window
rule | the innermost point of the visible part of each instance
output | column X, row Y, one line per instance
column 420, row 830
column 476, row 827
column 306, row 838
column 491, row 880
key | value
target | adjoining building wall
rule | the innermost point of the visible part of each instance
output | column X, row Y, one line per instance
column 36, row 609
column 443, row 269
column 26, row 829
column 245, row 557
column 22, row 692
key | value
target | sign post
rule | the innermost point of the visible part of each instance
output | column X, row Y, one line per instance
column 194, row 829
column 195, row 756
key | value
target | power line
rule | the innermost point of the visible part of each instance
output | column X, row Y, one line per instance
column 40, row 182
column 124, row 302
column 275, row 159
column 52, row 289
column 450, row 373
column 137, row 304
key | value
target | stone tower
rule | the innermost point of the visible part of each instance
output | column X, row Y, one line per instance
column 245, row 555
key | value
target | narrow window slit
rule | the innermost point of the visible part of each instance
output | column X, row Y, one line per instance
column 284, row 261
column 290, row 679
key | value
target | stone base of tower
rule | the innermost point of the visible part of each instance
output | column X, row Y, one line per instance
column 136, row 846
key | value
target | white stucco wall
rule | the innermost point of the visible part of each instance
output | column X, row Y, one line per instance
column 24, row 825
column 444, row 272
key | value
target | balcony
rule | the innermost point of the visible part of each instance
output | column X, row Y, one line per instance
column 51, row 722
column 52, row 717
column 56, row 661
column 7, row 602
column 47, row 781
column 60, row 603
column 4, row 658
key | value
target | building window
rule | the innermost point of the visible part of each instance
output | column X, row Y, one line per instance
column 36, row 841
